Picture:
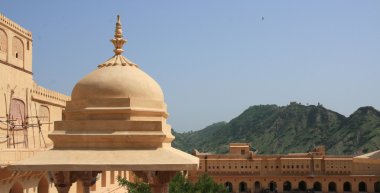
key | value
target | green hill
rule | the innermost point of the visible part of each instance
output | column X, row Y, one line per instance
column 285, row 129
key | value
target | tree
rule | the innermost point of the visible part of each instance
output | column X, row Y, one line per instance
column 206, row 184
column 138, row 187
column 179, row 184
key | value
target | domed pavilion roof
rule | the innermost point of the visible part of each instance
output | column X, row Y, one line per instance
column 118, row 77
column 116, row 120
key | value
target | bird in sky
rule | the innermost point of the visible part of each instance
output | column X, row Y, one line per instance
column 262, row 18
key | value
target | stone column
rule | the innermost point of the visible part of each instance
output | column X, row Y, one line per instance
column 339, row 186
column 63, row 181
column 235, row 185
column 86, row 186
column 63, row 188
column 354, row 185
column 280, row 186
column 370, row 186
column 325, row 186
column 157, row 180
column 250, row 186
column 88, row 178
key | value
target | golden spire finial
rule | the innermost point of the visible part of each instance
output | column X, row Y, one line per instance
column 118, row 41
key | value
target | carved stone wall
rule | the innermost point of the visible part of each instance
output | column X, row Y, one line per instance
column 3, row 41
column 3, row 45
column 18, row 48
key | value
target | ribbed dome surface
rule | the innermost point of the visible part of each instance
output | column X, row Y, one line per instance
column 117, row 82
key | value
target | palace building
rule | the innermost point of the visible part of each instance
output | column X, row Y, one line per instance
column 27, row 115
column 130, row 118
column 114, row 124
column 243, row 171
column 23, row 103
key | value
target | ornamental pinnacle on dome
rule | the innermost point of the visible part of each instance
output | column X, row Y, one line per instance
column 118, row 41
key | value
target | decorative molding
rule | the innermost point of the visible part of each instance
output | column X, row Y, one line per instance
column 15, row 27
column 46, row 96
column 16, row 67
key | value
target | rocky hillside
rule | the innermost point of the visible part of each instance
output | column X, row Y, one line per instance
column 285, row 129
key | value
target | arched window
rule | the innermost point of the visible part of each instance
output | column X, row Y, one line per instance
column 17, row 111
column 44, row 116
column 302, row 186
column 317, row 186
column 377, row 186
column 332, row 187
column 243, row 187
column 17, row 114
column 272, row 186
column 362, row 187
column 228, row 186
column 18, row 52
column 43, row 186
column 16, row 188
column 18, row 48
column 257, row 186
column 347, row 187
column 287, row 186
column 3, row 43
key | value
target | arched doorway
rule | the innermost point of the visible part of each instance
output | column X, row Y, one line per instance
column 44, row 116
column 287, row 186
column 228, row 186
column 377, row 187
column 16, row 188
column 18, row 115
column 362, row 187
column 243, row 187
column 272, row 186
column 332, row 187
column 43, row 186
column 257, row 186
column 347, row 187
column 302, row 186
column 317, row 187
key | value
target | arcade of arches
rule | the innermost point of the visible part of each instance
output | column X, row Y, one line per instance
column 16, row 188
column 42, row 187
column 241, row 170
column 249, row 185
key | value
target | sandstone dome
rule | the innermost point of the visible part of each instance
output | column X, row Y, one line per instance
column 117, row 81
column 115, row 121
column 117, row 78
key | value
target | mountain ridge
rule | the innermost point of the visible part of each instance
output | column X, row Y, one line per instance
column 289, row 129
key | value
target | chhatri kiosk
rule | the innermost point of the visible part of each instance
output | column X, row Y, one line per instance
column 116, row 120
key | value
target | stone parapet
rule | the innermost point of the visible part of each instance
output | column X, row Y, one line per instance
column 16, row 27
column 44, row 95
column 9, row 156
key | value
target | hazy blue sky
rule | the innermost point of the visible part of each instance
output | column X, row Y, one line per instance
column 215, row 58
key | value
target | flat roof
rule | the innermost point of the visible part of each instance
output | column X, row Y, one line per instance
column 160, row 159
